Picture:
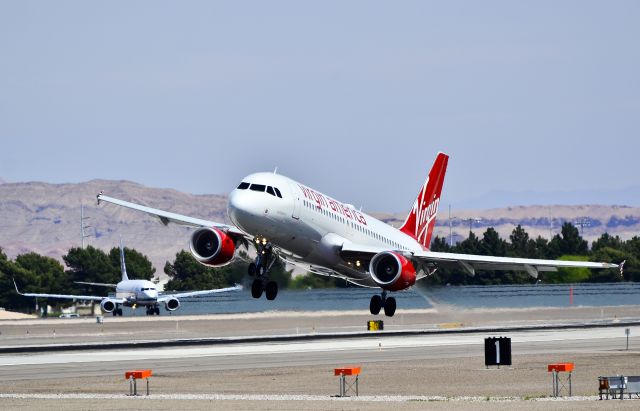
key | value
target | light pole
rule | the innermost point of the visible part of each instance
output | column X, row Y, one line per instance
column 82, row 226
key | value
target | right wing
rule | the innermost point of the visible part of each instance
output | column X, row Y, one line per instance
column 469, row 262
column 66, row 296
column 165, row 297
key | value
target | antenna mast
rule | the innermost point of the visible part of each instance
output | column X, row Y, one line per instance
column 83, row 226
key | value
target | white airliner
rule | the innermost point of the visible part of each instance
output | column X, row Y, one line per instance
column 282, row 217
column 132, row 293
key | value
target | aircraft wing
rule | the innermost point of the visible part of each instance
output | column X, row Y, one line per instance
column 67, row 296
column 97, row 284
column 167, row 217
column 470, row 263
column 165, row 297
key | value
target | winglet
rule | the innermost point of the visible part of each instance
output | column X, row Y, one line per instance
column 622, row 268
column 16, row 285
column 98, row 196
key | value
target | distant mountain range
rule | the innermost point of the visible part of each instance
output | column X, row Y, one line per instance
column 45, row 218
column 628, row 196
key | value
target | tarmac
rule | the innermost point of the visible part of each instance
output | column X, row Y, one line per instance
column 428, row 368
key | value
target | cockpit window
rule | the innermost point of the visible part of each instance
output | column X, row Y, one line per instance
column 277, row 192
column 257, row 187
column 270, row 191
column 243, row 186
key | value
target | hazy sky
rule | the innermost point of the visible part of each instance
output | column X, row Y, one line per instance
column 353, row 98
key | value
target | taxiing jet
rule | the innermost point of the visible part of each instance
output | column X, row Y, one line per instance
column 132, row 293
column 282, row 217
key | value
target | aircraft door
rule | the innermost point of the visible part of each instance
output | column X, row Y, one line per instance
column 295, row 193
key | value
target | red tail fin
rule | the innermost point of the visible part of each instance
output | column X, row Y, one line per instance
column 422, row 218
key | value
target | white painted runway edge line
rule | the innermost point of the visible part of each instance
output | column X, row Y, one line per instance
column 290, row 397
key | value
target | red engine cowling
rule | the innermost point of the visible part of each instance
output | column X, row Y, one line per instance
column 212, row 247
column 392, row 271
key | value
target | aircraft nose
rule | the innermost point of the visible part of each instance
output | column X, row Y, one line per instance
column 241, row 206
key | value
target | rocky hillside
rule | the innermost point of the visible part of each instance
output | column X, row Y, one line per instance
column 45, row 218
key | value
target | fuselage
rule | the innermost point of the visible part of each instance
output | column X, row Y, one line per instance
column 137, row 292
column 308, row 226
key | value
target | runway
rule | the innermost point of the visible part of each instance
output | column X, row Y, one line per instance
column 302, row 353
column 441, row 367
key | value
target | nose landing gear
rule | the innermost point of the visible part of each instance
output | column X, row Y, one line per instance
column 382, row 301
column 260, row 270
column 153, row 309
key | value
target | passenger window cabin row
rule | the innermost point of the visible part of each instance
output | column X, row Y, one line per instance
column 370, row 233
column 261, row 187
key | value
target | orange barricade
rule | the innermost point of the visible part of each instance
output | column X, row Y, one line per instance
column 346, row 371
column 557, row 383
column 344, row 385
column 561, row 366
column 135, row 375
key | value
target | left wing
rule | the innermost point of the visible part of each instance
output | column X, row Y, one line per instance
column 165, row 297
column 470, row 262
column 167, row 217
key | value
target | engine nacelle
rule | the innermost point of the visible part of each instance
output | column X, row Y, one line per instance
column 392, row 271
column 107, row 305
column 172, row 304
column 212, row 247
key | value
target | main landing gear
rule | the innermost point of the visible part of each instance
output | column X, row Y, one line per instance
column 382, row 301
column 153, row 309
column 118, row 310
column 260, row 269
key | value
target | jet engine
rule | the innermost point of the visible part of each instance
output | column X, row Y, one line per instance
column 392, row 271
column 172, row 304
column 212, row 247
column 107, row 305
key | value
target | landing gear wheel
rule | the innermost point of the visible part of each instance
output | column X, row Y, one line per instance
column 156, row 310
column 114, row 312
column 119, row 310
column 252, row 270
column 390, row 306
column 375, row 305
column 271, row 290
column 256, row 288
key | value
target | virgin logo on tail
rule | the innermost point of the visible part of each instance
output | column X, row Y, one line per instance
column 422, row 218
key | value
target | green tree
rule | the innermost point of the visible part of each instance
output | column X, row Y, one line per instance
column 568, row 243
column 519, row 242
column 492, row 244
column 471, row 245
column 50, row 276
column 440, row 244
column 9, row 298
column 606, row 240
column 91, row 265
column 187, row 274
column 49, row 273
column 569, row 275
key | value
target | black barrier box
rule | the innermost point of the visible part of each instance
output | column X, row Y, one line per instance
column 375, row 325
column 497, row 351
